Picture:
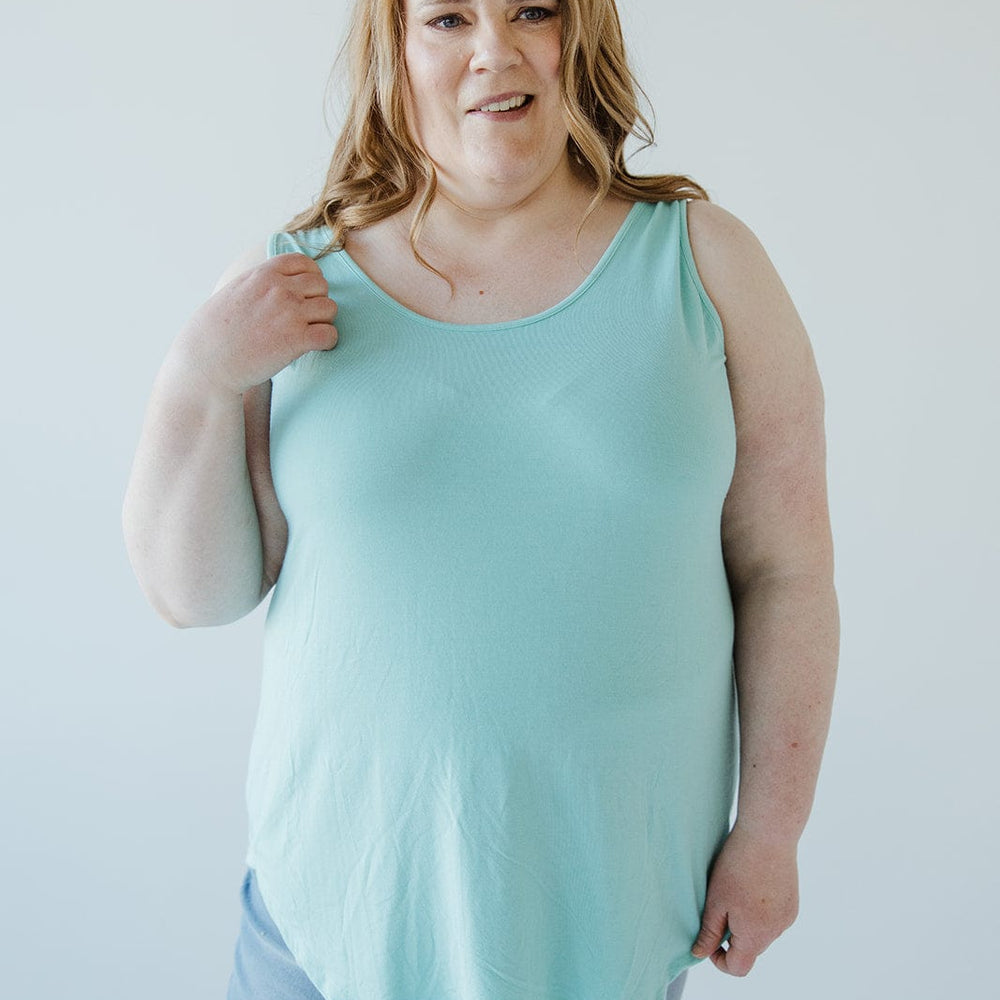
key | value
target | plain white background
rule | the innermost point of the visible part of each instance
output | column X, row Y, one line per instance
column 146, row 145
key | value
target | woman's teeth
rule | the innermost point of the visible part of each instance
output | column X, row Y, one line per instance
column 509, row 105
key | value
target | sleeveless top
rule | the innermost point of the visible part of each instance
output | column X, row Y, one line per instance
column 495, row 748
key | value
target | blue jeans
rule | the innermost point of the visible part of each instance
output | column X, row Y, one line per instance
column 264, row 969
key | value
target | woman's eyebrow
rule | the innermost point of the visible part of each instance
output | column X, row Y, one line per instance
column 442, row 3
column 458, row 3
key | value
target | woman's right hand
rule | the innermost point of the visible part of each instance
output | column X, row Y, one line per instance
column 202, row 523
column 259, row 322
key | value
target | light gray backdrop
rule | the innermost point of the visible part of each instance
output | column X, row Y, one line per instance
column 146, row 145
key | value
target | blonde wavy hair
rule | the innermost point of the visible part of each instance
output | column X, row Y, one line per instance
column 377, row 168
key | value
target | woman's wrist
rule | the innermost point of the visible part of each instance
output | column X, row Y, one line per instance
column 772, row 831
column 191, row 374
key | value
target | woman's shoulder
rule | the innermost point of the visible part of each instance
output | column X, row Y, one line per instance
column 732, row 263
column 717, row 237
column 251, row 257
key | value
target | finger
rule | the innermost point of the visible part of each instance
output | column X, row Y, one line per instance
column 309, row 285
column 713, row 930
column 735, row 960
column 293, row 262
column 322, row 336
column 319, row 310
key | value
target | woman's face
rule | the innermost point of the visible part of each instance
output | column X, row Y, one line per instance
column 484, row 93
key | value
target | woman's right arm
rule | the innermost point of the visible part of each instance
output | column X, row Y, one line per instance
column 202, row 525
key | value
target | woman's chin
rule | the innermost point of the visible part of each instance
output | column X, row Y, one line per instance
column 508, row 178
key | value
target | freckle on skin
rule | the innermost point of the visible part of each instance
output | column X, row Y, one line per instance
column 795, row 746
column 481, row 292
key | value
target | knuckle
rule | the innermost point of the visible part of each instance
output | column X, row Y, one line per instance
column 281, row 295
column 322, row 336
column 290, row 262
column 275, row 266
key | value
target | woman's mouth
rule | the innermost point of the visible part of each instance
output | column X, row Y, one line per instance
column 508, row 105
column 505, row 106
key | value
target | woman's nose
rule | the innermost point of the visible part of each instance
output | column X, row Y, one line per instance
column 494, row 46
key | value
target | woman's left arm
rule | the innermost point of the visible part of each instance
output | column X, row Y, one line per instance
column 778, row 551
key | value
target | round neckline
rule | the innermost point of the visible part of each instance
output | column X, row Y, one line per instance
column 511, row 324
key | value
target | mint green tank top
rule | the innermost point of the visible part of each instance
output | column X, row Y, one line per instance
column 495, row 749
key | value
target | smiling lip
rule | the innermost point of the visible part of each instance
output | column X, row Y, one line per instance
column 499, row 98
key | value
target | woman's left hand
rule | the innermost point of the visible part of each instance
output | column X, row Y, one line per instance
column 753, row 892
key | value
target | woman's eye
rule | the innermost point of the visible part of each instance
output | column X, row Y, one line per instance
column 536, row 13
column 446, row 21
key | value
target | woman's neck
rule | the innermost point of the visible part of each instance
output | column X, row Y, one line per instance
column 496, row 218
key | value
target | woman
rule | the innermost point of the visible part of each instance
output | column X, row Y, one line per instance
column 563, row 472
